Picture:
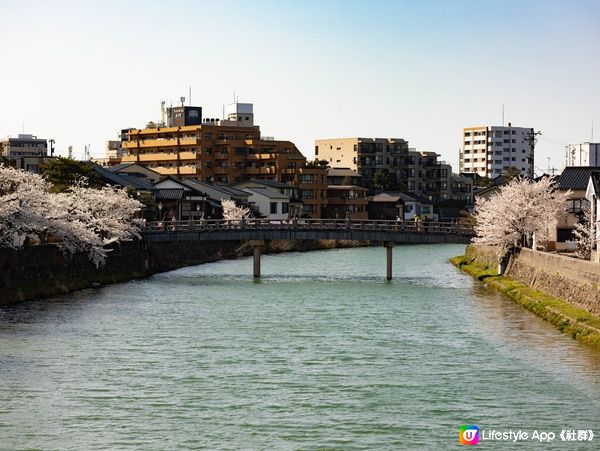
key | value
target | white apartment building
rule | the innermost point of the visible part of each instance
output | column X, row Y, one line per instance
column 491, row 150
column 583, row 154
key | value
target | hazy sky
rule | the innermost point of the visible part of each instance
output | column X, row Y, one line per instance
column 80, row 71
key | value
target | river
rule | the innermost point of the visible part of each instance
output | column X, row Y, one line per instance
column 323, row 352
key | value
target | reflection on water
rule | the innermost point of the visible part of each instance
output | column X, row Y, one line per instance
column 323, row 353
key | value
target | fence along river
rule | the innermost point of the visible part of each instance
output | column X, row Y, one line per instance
column 322, row 353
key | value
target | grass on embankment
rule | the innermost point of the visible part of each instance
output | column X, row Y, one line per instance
column 576, row 322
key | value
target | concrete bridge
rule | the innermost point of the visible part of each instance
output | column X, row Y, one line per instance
column 257, row 231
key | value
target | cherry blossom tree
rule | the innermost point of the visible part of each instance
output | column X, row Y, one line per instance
column 584, row 233
column 232, row 212
column 519, row 210
column 82, row 219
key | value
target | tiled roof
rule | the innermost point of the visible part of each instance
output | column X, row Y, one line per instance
column 123, row 180
column 271, row 183
column 575, row 177
column 232, row 191
column 118, row 167
column 267, row 192
column 422, row 200
column 385, row 197
column 168, row 194
column 342, row 172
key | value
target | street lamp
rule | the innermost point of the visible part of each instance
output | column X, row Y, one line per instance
column 198, row 209
column 160, row 207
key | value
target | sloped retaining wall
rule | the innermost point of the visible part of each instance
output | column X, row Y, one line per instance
column 43, row 271
column 573, row 280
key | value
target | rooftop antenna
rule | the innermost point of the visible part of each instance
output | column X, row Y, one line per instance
column 223, row 111
column 163, row 112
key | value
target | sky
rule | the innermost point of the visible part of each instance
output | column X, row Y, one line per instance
column 79, row 72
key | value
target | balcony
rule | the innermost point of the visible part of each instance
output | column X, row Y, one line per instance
column 183, row 170
column 261, row 171
column 161, row 142
column 186, row 155
column 262, row 156
column 158, row 157
column 189, row 141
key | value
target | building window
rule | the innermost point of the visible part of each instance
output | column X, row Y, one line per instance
column 273, row 208
column 576, row 205
column 563, row 235
column 285, row 208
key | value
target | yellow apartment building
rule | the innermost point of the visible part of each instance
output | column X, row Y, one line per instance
column 212, row 150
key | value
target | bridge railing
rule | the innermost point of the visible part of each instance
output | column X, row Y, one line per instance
column 213, row 225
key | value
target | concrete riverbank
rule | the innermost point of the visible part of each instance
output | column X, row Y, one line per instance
column 43, row 271
column 562, row 290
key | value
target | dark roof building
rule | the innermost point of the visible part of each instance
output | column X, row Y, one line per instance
column 575, row 177
column 122, row 180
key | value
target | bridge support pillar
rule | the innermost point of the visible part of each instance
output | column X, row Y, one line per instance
column 389, row 245
column 257, row 244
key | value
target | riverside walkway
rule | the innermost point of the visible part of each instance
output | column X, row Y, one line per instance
column 256, row 231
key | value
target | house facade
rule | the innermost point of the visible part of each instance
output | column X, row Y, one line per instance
column 271, row 204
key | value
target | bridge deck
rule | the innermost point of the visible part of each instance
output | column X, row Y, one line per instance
column 309, row 229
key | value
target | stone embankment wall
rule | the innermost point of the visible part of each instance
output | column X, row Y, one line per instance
column 573, row 280
column 43, row 271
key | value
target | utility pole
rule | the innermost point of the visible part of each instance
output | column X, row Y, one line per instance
column 531, row 139
column 551, row 169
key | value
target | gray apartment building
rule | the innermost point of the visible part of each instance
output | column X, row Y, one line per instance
column 413, row 171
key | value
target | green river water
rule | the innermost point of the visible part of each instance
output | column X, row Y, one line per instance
column 322, row 353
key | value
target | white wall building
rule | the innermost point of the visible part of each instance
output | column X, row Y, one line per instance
column 270, row 203
column 491, row 150
column 583, row 154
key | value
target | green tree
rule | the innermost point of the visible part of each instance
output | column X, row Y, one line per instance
column 484, row 182
column 384, row 180
column 8, row 162
column 347, row 180
column 150, row 210
column 64, row 172
column 511, row 173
